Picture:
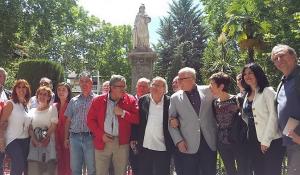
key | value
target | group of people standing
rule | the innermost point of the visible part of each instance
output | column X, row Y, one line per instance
column 56, row 134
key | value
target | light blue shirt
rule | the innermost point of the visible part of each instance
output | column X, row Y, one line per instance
column 111, row 123
column 77, row 110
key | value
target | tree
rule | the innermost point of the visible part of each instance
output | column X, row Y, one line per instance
column 61, row 31
column 30, row 25
column 243, row 24
column 182, row 40
column 34, row 70
column 252, row 25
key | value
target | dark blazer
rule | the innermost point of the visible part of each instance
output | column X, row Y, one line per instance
column 138, row 131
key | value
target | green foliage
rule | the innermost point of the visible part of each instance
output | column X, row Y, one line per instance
column 27, row 27
column 182, row 40
column 61, row 31
column 11, row 69
column 34, row 70
column 254, row 26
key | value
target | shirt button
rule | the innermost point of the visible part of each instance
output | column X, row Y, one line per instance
column 198, row 130
column 253, row 109
column 255, row 123
column 254, row 115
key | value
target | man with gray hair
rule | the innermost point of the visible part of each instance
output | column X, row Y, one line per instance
column 4, row 96
column 196, row 138
column 142, row 87
column 4, row 93
column 154, row 142
column 77, row 134
column 288, row 101
column 110, row 118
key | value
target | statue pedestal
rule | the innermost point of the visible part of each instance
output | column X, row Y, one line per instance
column 142, row 66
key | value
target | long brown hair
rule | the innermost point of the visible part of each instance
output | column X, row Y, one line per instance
column 14, row 95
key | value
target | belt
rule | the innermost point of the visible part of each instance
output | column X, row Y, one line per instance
column 82, row 133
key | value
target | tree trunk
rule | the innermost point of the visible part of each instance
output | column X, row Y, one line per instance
column 250, row 55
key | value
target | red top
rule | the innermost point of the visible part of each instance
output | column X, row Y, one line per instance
column 62, row 153
column 96, row 117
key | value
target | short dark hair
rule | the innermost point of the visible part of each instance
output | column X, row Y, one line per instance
column 67, row 85
column 221, row 78
column 261, row 78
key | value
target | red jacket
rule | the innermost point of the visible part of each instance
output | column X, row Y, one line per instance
column 96, row 117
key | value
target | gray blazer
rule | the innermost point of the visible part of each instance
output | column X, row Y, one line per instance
column 191, row 124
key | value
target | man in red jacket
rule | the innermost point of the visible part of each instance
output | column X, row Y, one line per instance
column 110, row 118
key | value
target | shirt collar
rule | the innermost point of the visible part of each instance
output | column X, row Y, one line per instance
column 91, row 94
column 160, row 102
column 110, row 99
column 194, row 90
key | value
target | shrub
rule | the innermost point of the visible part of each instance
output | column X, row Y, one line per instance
column 34, row 70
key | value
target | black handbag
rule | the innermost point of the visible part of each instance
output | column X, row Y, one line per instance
column 40, row 133
column 239, row 129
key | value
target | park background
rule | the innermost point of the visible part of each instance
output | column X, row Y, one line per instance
column 208, row 35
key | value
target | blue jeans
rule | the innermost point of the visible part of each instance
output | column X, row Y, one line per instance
column 82, row 150
column 18, row 151
column 2, row 155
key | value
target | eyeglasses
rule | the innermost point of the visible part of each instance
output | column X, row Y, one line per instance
column 180, row 79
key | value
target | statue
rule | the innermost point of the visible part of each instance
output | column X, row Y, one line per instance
column 140, row 30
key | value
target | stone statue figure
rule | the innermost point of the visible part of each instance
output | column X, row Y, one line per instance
column 140, row 30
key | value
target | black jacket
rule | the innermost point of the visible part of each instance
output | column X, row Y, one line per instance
column 138, row 131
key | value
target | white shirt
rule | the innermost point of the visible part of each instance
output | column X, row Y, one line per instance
column 43, row 119
column 18, row 123
column 154, row 134
column 3, row 96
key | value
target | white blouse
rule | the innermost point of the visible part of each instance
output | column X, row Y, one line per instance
column 43, row 119
column 18, row 123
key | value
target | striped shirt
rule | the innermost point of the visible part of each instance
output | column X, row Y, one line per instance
column 77, row 110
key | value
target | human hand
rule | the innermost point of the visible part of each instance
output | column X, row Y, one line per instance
column 45, row 142
column 35, row 142
column 264, row 148
column 295, row 137
column 118, row 110
column 133, row 144
column 174, row 122
column 107, row 138
column 2, row 145
column 67, row 143
column 182, row 146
